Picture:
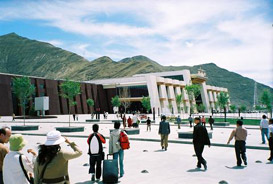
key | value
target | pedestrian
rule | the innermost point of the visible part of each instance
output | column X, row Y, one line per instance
column 130, row 122
column 264, row 128
column 124, row 121
column 115, row 148
column 13, row 117
column 200, row 139
column 240, row 135
column 164, row 131
column 5, row 134
column 17, row 168
column 51, row 166
column 270, row 141
column 190, row 121
column 148, row 124
column 211, row 122
column 178, row 120
column 135, row 120
column 203, row 120
column 95, row 151
column 74, row 117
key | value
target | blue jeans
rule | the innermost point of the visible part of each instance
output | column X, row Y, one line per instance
column 120, row 154
column 264, row 132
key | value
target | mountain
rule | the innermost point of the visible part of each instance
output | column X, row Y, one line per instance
column 19, row 55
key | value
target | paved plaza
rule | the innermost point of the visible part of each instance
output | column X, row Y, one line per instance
column 177, row 165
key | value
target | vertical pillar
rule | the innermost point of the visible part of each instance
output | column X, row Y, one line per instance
column 153, row 91
column 204, row 96
column 164, row 95
column 172, row 96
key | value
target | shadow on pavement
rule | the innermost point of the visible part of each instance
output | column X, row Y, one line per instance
column 236, row 167
column 90, row 182
column 270, row 162
column 196, row 170
column 160, row 150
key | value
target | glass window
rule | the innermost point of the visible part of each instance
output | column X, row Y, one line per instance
column 175, row 77
column 134, row 91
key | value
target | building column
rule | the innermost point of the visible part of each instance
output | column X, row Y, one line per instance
column 153, row 92
column 178, row 92
column 211, row 99
column 204, row 96
column 163, row 94
column 186, row 101
column 215, row 99
column 172, row 96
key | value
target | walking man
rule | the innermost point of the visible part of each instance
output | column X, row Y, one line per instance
column 200, row 139
column 164, row 131
column 203, row 120
column 178, row 120
column 190, row 121
column 264, row 128
column 148, row 124
column 95, row 151
column 5, row 134
column 240, row 135
column 211, row 122
column 271, row 139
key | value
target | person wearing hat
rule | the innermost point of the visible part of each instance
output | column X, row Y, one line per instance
column 5, row 134
column 51, row 166
column 13, row 171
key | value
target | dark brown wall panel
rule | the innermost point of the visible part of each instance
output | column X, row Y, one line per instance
column 79, row 105
column 52, row 93
column 102, row 99
column 63, row 102
column 83, row 99
column 6, row 106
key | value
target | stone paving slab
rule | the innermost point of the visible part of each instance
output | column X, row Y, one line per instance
column 175, row 166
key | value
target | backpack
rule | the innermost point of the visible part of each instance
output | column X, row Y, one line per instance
column 124, row 141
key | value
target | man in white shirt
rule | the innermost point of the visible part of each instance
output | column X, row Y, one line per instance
column 264, row 128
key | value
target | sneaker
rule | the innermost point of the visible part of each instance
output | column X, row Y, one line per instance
column 245, row 162
column 162, row 147
column 205, row 166
column 165, row 149
column 198, row 166
column 93, row 177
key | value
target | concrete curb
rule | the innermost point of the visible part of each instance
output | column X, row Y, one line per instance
column 157, row 140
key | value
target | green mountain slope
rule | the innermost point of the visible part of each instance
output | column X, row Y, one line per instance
column 19, row 55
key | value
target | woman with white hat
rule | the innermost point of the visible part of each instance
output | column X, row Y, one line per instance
column 51, row 166
column 17, row 168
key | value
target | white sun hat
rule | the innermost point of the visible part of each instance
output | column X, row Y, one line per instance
column 54, row 137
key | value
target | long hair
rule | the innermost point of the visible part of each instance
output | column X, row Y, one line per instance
column 47, row 153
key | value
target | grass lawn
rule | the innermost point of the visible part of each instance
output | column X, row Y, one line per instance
column 233, row 121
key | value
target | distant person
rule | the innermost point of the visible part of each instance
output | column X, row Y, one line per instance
column 5, row 134
column 15, row 162
column 242, row 118
column 270, row 141
column 200, row 139
column 203, row 120
column 13, row 117
column 51, row 165
column 148, row 124
column 124, row 121
column 190, row 120
column 211, row 122
column 115, row 147
column 95, row 151
column 178, row 120
column 264, row 128
column 135, row 120
column 164, row 131
column 240, row 135
column 74, row 117
column 130, row 122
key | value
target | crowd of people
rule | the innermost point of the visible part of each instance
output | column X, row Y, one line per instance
column 50, row 164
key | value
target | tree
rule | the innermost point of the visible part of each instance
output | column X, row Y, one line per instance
column 179, row 100
column 222, row 99
column 116, row 102
column 266, row 100
column 70, row 89
column 125, row 94
column 243, row 108
column 193, row 91
column 233, row 108
column 23, row 90
column 90, row 102
column 200, row 107
column 146, row 103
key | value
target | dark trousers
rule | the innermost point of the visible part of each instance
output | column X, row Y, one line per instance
column 1, row 178
column 95, row 161
column 199, row 148
column 240, row 150
column 211, row 126
column 271, row 148
column 190, row 123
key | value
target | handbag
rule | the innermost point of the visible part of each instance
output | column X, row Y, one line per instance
column 29, row 178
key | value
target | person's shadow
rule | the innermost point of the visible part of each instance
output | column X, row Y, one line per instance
column 236, row 167
column 196, row 170
column 160, row 150
column 90, row 182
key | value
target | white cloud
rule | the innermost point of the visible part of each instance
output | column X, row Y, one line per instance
column 233, row 34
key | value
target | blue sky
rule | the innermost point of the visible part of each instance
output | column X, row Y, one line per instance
column 236, row 35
